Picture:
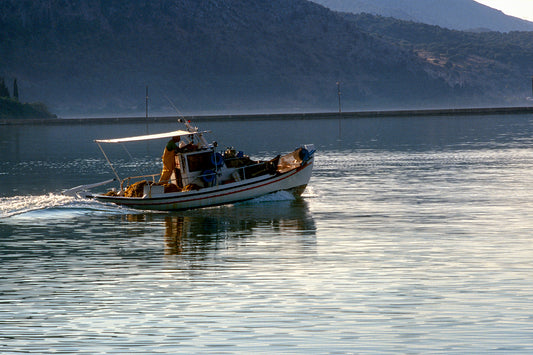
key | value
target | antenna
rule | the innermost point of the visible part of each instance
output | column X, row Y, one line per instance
column 147, row 122
column 146, row 102
column 180, row 115
column 181, row 119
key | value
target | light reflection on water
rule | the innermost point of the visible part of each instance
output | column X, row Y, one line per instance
column 401, row 244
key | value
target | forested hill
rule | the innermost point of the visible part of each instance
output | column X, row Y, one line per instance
column 88, row 57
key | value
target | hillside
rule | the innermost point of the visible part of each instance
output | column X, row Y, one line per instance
column 85, row 57
column 496, row 62
column 452, row 14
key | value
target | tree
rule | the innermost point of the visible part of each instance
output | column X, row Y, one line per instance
column 15, row 90
column 4, row 92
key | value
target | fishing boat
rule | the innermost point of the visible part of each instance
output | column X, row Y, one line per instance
column 202, row 176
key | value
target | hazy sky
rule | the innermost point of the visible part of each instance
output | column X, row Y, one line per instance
column 517, row 8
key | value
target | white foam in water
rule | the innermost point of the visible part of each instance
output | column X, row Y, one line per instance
column 24, row 205
column 21, row 206
column 309, row 192
column 11, row 206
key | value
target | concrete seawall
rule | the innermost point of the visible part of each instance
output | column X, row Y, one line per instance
column 289, row 116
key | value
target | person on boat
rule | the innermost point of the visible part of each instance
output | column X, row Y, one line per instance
column 169, row 158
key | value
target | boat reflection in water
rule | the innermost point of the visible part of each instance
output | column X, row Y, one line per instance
column 191, row 232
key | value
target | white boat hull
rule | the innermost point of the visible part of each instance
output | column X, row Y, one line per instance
column 294, row 180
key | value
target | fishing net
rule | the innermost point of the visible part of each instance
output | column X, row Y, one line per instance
column 136, row 189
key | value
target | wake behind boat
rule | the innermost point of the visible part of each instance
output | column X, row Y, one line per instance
column 196, row 175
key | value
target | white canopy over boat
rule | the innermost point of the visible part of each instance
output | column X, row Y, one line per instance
column 179, row 133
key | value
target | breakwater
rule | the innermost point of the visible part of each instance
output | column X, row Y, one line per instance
column 291, row 116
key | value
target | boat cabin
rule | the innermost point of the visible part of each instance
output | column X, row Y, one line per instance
column 204, row 167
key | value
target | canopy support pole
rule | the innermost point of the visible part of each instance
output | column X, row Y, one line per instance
column 111, row 165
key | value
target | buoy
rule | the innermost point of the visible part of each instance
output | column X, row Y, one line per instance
column 208, row 175
column 304, row 155
column 217, row 160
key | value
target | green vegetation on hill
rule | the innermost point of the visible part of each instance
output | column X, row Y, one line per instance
column 12, row 108
column 205, row 55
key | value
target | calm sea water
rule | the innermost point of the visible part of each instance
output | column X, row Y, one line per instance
column 414, row 236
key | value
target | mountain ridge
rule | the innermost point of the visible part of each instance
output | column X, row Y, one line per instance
column 453, row 14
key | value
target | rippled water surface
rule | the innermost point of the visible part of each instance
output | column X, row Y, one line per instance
column 414, row 236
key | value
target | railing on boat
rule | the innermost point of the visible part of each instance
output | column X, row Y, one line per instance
column 244, row 172
column 128, row 179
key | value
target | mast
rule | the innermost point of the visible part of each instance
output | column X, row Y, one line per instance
column 339, row 94
column 147, row 129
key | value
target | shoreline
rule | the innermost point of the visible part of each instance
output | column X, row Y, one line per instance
column 289, row 116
